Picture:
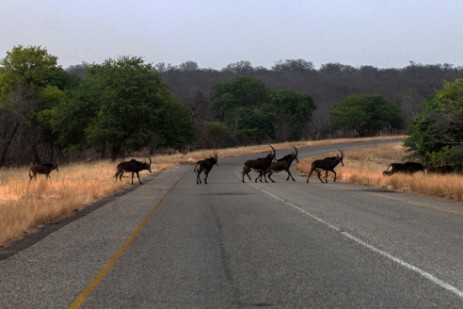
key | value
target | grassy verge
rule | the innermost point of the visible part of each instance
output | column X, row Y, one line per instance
column 25, row 206
column 365, row 166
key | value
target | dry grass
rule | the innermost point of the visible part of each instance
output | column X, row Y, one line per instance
column 365, row 166
column 25, row 206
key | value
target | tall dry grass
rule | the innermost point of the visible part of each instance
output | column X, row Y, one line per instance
column 365, row 166
column 25, row 206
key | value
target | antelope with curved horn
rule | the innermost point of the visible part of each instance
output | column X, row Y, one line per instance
column 260, row 165
column 205, row 166
column 132, row 166
column 283, row 164
column 327, row 164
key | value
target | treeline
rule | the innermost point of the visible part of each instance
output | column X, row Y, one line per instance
column 406, row 87
column 112, row 109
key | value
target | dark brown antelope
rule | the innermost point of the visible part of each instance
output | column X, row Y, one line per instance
column 441, row 169
column 407, row 168
column 260, row 165
column 205, row 166
column 283, row 164
column 327, row 164
column 45, row 168
column 132, row 166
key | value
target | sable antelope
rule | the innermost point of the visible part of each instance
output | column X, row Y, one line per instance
column 45, row 168
column 283, row 164
column 442, row 169
column 205, row 166
column 132, row 166
column 327, row 164
column 260, row 165
column 407, row 168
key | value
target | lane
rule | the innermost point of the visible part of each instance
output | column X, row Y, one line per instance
column 233, row 245
column 424, row 232
column 229, row 245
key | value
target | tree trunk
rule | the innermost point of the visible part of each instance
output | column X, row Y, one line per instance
column 35, row 152
column 7, row 145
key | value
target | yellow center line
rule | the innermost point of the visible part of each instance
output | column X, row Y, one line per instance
column 456, row 212
column 82, row 298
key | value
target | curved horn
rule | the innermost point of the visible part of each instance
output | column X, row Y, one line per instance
column 274, row 152
column 295, row 150
column 342, row 152
column 149, row 157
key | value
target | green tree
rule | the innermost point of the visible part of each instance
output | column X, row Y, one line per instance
column 240, row 105
column 124, row 106
column 436, row 134
column 31, row 86
column 256, row 113
column 293, row 112
column 242, row 92
column 366, row 115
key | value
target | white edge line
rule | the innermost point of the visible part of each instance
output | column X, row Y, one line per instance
column 409, row 266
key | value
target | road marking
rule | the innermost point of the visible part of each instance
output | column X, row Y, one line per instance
column 420, row 204
column 82, row 298
column 385, row 254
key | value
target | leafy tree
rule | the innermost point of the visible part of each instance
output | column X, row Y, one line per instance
column 293, row 112
column 31, row 66
column 31, row 86
column 366, row 115
column 238, row 103
column 176, row 125
column 436, row 134
column 256, row 113
column 123, row 106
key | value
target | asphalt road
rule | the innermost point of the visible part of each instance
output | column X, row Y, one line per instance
column 174, row 244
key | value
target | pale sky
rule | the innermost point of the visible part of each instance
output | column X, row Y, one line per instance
column 215, row 33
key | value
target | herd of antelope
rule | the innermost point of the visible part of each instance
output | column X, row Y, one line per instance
column 265, row 167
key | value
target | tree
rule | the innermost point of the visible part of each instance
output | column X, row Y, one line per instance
column 255, row 113
column 240, row 105
column 123, row 106
column 366, row 115
column 189, row 66
column 293, row 112
column 241, row 67
column 294, row 65
column 436, row 134
column 31, row 86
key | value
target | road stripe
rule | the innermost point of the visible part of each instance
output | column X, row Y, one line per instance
column 383, row 253
column 85, row 294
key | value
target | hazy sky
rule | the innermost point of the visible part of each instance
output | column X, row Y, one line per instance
column 215, row 33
